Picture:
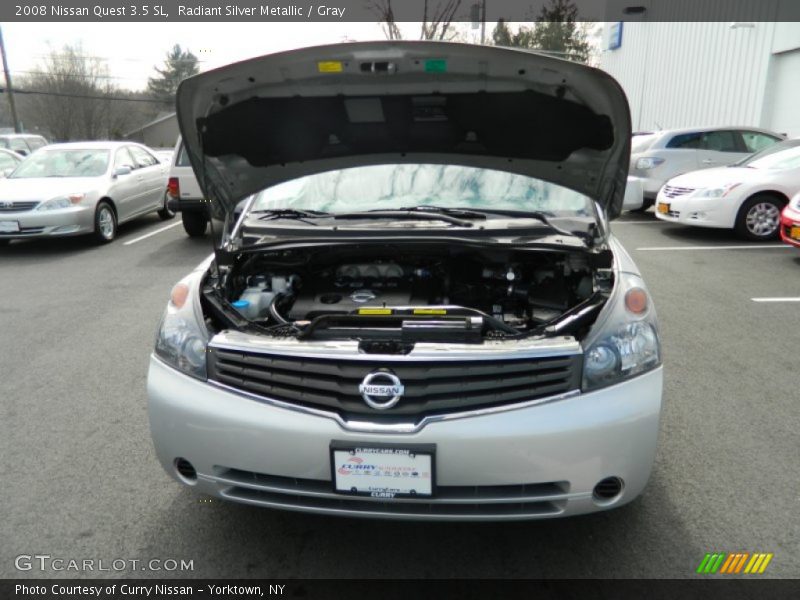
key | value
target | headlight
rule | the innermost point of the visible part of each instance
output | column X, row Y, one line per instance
column 648, row 162
column 796, row 202
column 626, row 343
column 717, row 192
column 61, row 202
column 182, row 335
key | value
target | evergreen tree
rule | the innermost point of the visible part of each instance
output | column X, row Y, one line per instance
column 556, row 31
column 178, row 65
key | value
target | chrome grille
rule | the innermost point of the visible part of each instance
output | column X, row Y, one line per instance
column 497, row 501
column 17, row 206
column 671, row 191
column 431, row 387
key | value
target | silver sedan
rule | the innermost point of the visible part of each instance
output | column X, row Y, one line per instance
column 81, row 188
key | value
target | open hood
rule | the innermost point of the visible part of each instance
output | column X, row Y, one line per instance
column 256, row 123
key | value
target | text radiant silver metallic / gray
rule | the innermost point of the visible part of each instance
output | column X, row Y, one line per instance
column 416, row 309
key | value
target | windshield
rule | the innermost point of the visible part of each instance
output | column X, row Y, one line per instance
column 63, row 163
column 778, row 157
column 386, row 187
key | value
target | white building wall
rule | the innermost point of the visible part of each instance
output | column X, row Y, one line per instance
column 682, row 74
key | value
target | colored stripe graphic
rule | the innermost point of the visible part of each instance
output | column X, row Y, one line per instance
column 729, row 562
column 703, row 563
column 711, row 562
column 764, row 564
column 734, row 563
column 741, row 562
column 718, row 563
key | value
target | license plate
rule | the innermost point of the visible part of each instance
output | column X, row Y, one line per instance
column 794, row 232
column 383, row 470
column 663, row 208
column 9, row 226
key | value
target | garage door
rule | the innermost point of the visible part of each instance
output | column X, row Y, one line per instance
column 783, row 90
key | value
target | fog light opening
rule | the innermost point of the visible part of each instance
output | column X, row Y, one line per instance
column 185, row 471
column 608, row 490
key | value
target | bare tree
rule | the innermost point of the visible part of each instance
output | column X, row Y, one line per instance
column 436, row 24
column 63, row 87
column 70, row 96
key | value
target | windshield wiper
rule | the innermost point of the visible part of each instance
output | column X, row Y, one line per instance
column 289, row 213
column 464, row 213
column 404, row 213
column 545, row 218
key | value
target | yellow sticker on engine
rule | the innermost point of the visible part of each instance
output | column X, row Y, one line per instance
column 330, row 66
column 430, row 311
column 374, row 311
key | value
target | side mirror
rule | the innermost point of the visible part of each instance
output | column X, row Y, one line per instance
column 634, row 194
column 119, row 171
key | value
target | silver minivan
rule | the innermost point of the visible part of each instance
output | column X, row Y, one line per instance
column 416, row 308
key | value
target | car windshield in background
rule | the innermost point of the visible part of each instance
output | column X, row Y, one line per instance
column 778, row 157
column 395, row 186
column 63, row 163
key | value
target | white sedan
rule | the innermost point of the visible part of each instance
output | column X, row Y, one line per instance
column 747, row 196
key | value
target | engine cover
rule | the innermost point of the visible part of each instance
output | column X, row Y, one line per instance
column 313, row 303
column 355, row 286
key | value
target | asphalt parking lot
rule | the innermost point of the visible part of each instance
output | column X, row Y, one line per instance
column 80, row 479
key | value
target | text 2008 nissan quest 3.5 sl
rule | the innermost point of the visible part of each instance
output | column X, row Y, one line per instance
column 415, row 308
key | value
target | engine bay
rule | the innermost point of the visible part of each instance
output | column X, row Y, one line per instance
column 415, row 292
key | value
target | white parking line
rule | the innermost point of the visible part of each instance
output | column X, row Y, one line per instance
column 775, row 299
column 152, row 233
column 752, row 247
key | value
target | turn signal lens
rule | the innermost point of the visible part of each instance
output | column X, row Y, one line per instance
column 179, row 295
column 636, row 301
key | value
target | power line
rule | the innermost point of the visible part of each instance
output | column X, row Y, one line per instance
column 128, row 59
column 82, row 96
column 24, row 72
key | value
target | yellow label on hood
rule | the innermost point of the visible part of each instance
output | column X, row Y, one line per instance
column 330, row 66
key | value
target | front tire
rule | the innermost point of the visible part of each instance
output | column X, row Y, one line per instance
column 195, row 223
column 105, row 223
column 165, row 214
column 759, row 218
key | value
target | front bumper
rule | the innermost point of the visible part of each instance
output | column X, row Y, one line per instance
column 651, row 184
column 76, row 220
column 535, row 462
column 718, row 213
column 790, row 218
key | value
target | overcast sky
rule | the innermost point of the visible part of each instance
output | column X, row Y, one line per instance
column 133, row 49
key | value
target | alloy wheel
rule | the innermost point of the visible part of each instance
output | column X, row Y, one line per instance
column 105, row 221
column 762, row 219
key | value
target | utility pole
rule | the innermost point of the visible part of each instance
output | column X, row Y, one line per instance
column 483, row 23
column 9, row 88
